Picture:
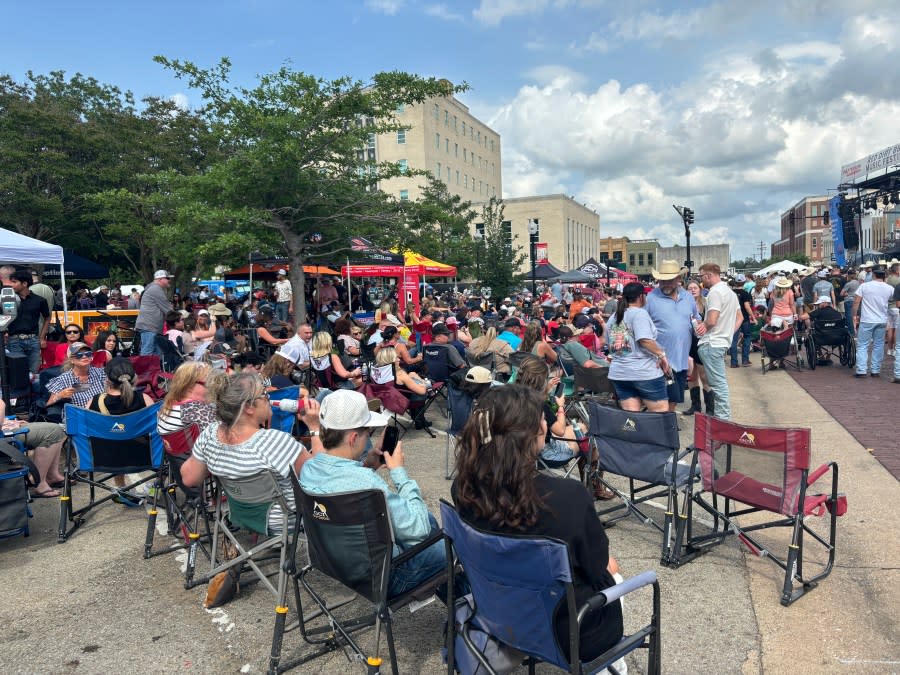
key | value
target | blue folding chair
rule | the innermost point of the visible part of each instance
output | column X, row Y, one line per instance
column 281, row 420
column 517, row 583
column 15, row 471
column 110, row 445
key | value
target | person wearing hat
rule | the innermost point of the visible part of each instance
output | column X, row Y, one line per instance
column 240, row 445
column 827, row 322
column 822, row 287
column 511, row 334
column 348, row 465
column 870, row 312
column 673, row 310
column 81, row 382
column 152, row 313
column 441, row 336
column 782, row 301
column 284, row 296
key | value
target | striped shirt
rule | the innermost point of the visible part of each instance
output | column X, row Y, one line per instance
column 266, row 450
column 184, row 414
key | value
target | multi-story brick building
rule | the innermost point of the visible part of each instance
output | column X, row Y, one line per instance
column 802, row 230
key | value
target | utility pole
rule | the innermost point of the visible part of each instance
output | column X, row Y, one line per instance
column 762, row 248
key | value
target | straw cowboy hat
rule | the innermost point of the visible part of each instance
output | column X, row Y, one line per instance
column 784, row 282
column 668, row 269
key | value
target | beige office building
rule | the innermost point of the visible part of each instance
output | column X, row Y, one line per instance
column 570, row 230
column 445, row 139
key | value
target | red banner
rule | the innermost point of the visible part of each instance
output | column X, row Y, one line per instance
column 540, row 253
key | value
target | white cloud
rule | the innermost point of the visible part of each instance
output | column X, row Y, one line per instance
column 557, row 76
column 389, row 7
column 441, row 11
column 492, row 12
column 181, row 100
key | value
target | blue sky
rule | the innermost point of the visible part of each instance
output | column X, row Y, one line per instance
column 737, row 108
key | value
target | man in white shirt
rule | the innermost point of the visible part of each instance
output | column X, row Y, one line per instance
column 296, row 350
column 723, row 317
column 870, row 313
column 284, row 296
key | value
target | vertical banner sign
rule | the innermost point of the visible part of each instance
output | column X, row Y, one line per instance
column 837, row 230
column 540, row 253
column 409, row 290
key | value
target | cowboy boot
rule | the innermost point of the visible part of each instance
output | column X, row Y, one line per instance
column 709, row 398
column 695, row 402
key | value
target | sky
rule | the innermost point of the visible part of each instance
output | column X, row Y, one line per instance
column 736, row 108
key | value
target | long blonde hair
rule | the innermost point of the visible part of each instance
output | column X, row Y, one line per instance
column 321, row 345
column 186, row 376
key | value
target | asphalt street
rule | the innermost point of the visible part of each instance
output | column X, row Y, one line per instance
column 94, row 605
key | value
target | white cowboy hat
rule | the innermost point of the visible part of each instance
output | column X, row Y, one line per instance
column 668, row 269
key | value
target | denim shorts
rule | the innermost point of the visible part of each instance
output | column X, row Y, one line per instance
column 647, row 390
column 675, row 391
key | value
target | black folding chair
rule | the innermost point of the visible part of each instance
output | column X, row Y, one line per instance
column 350, row 540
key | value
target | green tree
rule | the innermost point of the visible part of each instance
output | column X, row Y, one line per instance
column 295, row 156
column 439, row 227
column 503, row 258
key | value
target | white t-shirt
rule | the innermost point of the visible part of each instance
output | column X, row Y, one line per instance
column 283, row 291
column 875, row 298
column 722, row 299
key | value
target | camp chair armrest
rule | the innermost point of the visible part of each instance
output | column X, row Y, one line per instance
column 15, row 432
column 818, row 473
column 613, row 593
column 684, row 453
column 418, row 548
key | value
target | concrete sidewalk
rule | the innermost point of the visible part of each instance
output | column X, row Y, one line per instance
column 94, row 605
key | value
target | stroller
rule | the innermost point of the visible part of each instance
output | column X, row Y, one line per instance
column 781, row 346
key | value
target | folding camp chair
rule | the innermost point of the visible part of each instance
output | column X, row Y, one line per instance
column 351, row 540
column 15, row 471
column 243, row 506
column 188, row 510
column 282, row 420
column 767, row 471
column 517, row 583
column 645, row 449
column 437, row 362
column 382, row 385
column 171, row 357
column 109, row 445
column 594, row 382
column 460, row 401
column 323, row 371
column 41, row 412
column 150, row 375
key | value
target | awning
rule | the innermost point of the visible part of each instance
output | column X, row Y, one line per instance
column 427, row 267
column 265, row 271
column 77, row 267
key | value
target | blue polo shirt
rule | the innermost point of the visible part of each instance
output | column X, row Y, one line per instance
column 672, row 318
column 511, row 339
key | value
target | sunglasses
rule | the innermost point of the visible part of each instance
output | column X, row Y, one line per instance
column 84, row 355
column 73, row 332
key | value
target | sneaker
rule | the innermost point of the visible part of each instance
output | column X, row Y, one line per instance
column 746, row 364
column 859, row 374
column 126, row 499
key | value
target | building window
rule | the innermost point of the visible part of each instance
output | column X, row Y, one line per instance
column 401, row 137
column 437, row 174
column 401, row 107
column 446, row 118
column 447, row 145
column 454, row 123
column 650, row 259
column 436, row 111
column 404, row 165
column 437, row 141
column 404, row 195
column 479, row 229
column 371, row 154
column 465, row 155
column 631, row 260
column 448, row 175
column 456, row 149
column 507, row 230
column 617, row 256
column 370, row 142
column 457, row 176
column 815, row 243
column 464, row 128
column 465, row 180
column 640, row 259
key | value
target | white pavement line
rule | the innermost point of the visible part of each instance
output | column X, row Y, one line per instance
column 850, row 662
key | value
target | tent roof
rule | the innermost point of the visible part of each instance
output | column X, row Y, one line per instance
column 261, row 271
column 544, row 271
column 575, row 277
column 18, row 248
column 427, row 266
column 78, row 267
column 782, row 266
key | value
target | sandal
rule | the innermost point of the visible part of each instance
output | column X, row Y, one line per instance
column 45, row 494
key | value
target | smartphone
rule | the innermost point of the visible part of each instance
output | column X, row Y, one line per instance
column 391, row 436
column 560, row 389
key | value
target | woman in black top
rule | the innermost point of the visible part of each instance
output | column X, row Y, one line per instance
column 498, row 489
column 120, row 398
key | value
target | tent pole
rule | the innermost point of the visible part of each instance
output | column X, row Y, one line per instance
column 349, row 291
column 62, row 285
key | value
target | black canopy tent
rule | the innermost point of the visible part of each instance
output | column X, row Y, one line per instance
column 545, row 272
column 575, row 277
column 77, row 267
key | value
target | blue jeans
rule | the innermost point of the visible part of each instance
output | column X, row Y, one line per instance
column 848, row 315
column 870, row 334
column 714, row 363
column 420, row 567
column 747, row 332
column 29, row 348
column 281, row 310
column 148, row 343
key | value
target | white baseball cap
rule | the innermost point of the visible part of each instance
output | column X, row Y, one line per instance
column 282, row 272
column 162, row 274
column 822, row 300
column 345, row 409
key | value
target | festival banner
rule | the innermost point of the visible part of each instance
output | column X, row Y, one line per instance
column 837, row 230
column 540, row 253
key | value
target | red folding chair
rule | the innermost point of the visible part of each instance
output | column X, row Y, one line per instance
column 150, row 375
column 762, row 471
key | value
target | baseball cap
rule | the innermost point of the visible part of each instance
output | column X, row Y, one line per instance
column 345, row 409
column 478, row 375
column 512, row 323
column 823, row 299
column 451, row 321
column 440, row 329
column 282, row 272
column 162, row 274
column 821, row 274
column 76, row 347
column 202, row 312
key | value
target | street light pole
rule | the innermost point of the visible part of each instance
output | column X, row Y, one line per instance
column 478, row 236
column 532, row 237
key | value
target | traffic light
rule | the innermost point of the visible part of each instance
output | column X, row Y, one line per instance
column 688, row 216
column 826, row 217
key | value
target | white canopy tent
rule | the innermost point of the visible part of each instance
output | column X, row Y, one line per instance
column 786, row 266
column 17, row 248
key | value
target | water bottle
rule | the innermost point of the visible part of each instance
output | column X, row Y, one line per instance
column 289, row 405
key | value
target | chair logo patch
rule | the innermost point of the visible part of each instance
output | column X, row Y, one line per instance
column 630, row 425
column 319, row 511
column 118, row 427
column 747, row 438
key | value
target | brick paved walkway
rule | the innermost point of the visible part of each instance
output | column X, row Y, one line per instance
column 864, row 406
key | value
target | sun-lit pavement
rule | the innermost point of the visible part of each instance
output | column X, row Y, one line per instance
column 94, row 605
